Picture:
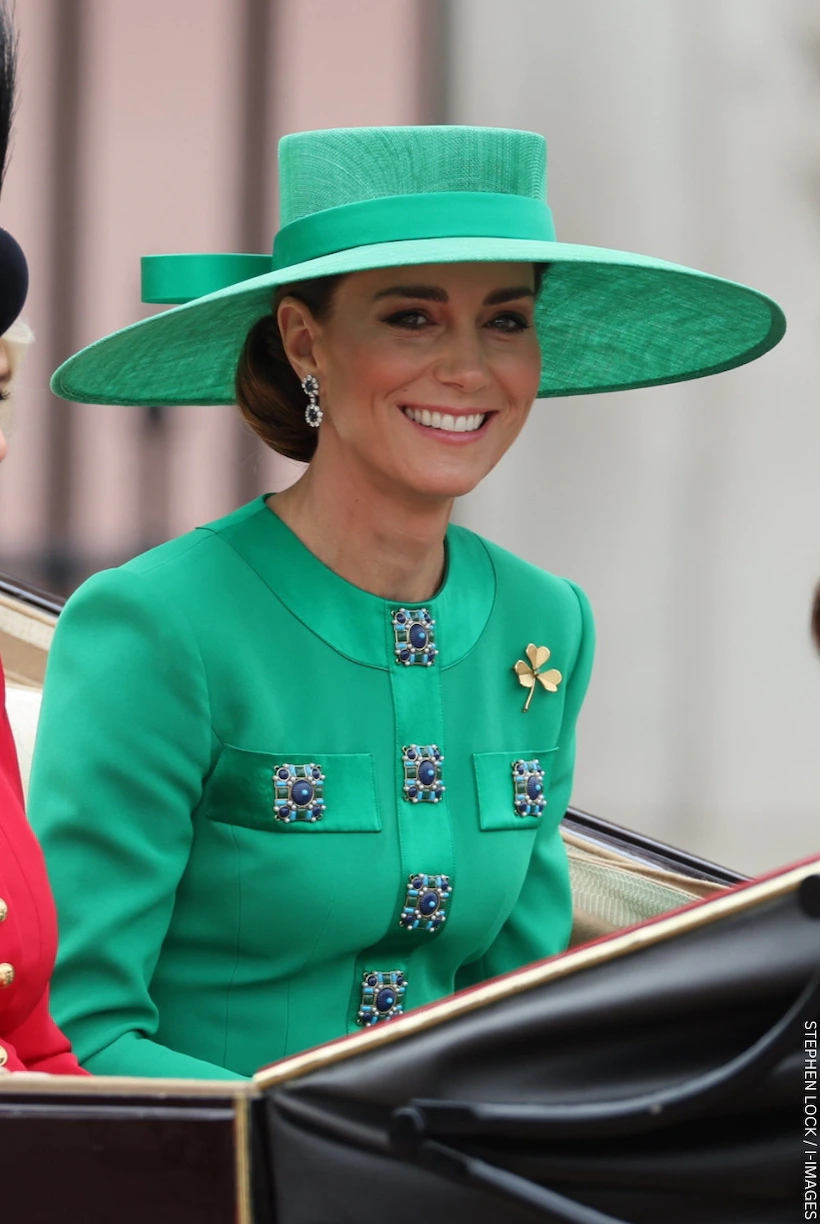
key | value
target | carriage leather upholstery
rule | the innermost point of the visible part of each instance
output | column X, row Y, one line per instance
column 642, row 1014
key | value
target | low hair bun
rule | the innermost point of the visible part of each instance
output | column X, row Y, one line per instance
column 268, row 390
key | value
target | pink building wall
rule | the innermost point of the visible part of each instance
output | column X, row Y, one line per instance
column 148, row 126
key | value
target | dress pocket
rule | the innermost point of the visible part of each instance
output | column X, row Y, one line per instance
column 513, row 788
column 294, row 792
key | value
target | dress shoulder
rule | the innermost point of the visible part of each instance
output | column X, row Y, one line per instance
column 519, row 579
column 182, row 569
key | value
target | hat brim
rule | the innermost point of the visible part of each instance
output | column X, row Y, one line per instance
column 606, row 321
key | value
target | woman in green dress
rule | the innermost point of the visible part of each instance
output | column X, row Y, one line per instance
column 303, row 769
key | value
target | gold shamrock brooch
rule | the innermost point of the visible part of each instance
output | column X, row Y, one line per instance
column 528, row 673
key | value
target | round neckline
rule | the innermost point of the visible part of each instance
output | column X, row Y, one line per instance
column 411, row 605
column 355, row 622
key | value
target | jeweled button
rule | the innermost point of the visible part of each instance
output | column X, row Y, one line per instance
column 382, row 996
column 528, row 788
column 422, row 765
column 6, row 974
column 415, row 637
column 4, row 909
column 426, row 902
column 298, row 793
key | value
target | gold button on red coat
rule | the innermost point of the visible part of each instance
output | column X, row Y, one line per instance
column 6, row 974
column 4, row 909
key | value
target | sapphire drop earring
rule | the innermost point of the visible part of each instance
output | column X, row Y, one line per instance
column 313, row 413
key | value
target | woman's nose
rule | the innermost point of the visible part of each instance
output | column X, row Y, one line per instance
column 461, row 362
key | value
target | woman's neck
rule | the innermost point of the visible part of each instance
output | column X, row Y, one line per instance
column 385, row 544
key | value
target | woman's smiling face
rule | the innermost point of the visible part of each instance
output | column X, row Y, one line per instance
column 427, row 374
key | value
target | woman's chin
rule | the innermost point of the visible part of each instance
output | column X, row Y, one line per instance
column 443, row 485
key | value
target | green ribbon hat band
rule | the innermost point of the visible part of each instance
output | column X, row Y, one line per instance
column 174, row 279
column 435, row 214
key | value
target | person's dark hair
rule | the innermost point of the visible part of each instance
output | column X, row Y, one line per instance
column 268, row 390
column 8, row 83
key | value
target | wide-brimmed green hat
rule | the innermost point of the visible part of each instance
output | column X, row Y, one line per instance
column 359, row 198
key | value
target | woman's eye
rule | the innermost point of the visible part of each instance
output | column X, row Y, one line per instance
column 412, row 320
column 510, row 321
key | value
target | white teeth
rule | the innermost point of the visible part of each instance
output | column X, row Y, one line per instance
column 466, row 423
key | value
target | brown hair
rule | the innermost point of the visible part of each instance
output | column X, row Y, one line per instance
column 268, row 390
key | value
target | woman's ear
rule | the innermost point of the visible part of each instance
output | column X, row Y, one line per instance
column 298, row 330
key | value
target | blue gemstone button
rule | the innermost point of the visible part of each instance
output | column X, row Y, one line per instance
column 528, row 788
column 298, row 793
column 301, row 793
column 427, row 772
column 422, row 773
column 418, row 637
column 414, row 632
column 385, row 999
column 382, row 997
column 426, row 903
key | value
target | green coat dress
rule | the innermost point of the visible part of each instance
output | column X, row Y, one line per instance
column 276, row 808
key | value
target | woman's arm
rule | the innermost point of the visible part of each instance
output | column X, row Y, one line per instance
column 123, row 745
column 540, row 922
column 38, row 1045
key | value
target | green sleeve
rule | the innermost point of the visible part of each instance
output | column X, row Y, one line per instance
column 123, row 745
column 541, row 920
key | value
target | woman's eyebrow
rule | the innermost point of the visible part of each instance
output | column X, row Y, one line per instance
column 508, row 295
column 432, row 293
column 428, row 293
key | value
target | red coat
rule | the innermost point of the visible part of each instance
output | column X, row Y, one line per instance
column 29, row 1038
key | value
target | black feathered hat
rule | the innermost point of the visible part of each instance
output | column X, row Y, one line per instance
column 13, row 266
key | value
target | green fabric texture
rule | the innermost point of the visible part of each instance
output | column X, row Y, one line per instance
column 360, row 198
column 201, row 937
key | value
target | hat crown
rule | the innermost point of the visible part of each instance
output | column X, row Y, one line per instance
column 326, row 169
